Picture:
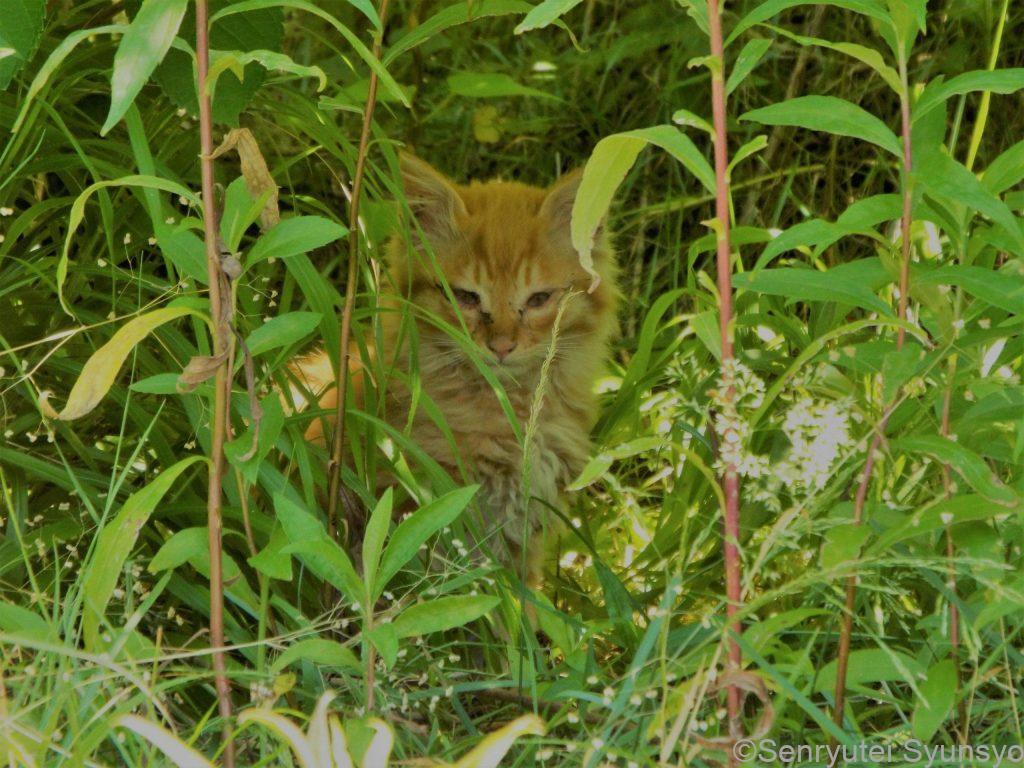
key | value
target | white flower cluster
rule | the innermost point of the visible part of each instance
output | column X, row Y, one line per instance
column 734, row 430
column 817, row 432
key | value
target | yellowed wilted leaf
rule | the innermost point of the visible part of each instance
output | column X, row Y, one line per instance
column 101, row 369
column 255, row 172
column 492, row 750
column 174, row 749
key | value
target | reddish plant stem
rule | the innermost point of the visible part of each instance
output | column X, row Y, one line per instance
column 344, row 358
column 221, row 386
column 860, row 498
column 730, row 480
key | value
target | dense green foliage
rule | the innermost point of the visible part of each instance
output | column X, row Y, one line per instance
column 103, row 301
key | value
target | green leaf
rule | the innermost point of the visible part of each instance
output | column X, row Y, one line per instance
column 487, row 85
column 321, row 554
column 282, row 331
column 240, row 212
column 143, row 47
column 749, row 57
column 236, row 61
column 688, row 119
column 385, row 640
column 416, row 529
column 937, row 696
column 608, row 165
column 971, row 467
column 293, row 236
column 1005, row 171
column 102, row 367
column 240, row 447
column 861, row 53
column 319, row 651
column 442, row 614
column 600, row 463
column 373, row 538
column 940, row 175
column 453, row 15
column 114, row 544
column 187, row 545
column 21, row 25
column 544, row 13
column 842, row 544
column 272, row 560
column 898, row 367
column 870, row 665
column 764, row 11
column 860, row 218
column 258, row 29
column 751, row 147
column 831, row 115
column 922, row 522
column 1002, row 81
column 813, row 285
column 364, row 6
column 1003, row 289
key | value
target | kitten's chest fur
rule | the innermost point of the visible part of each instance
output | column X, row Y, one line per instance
column 484, row 442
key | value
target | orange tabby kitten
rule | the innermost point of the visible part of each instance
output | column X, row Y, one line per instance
column 504, row 250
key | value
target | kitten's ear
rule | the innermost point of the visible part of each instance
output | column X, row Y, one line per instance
column 557, row 206
column 432, row 198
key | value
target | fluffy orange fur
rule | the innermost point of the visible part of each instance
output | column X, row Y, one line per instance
column 496, row 256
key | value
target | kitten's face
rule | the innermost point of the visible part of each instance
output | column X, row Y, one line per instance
column 505, row 252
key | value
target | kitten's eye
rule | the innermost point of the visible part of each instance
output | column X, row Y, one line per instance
column 467, row 299
column 538, row 299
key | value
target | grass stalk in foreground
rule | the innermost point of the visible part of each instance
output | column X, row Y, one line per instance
column 730, row 478
column 220, row 311
column 338, row 440
column 860, row 498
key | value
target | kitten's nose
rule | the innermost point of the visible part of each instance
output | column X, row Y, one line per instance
column 502, row 347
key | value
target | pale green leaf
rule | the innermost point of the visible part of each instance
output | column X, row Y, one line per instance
column 937, row 696
column 608, row 165
column 143, row 47
column 1003, row 81
column 282, row 331
column 373, row 538
column 749, row 57
column 416, row 529
column 114, row 544
column 442, row 614
column 487, row 85
column 319, row 651
column 294, row 236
